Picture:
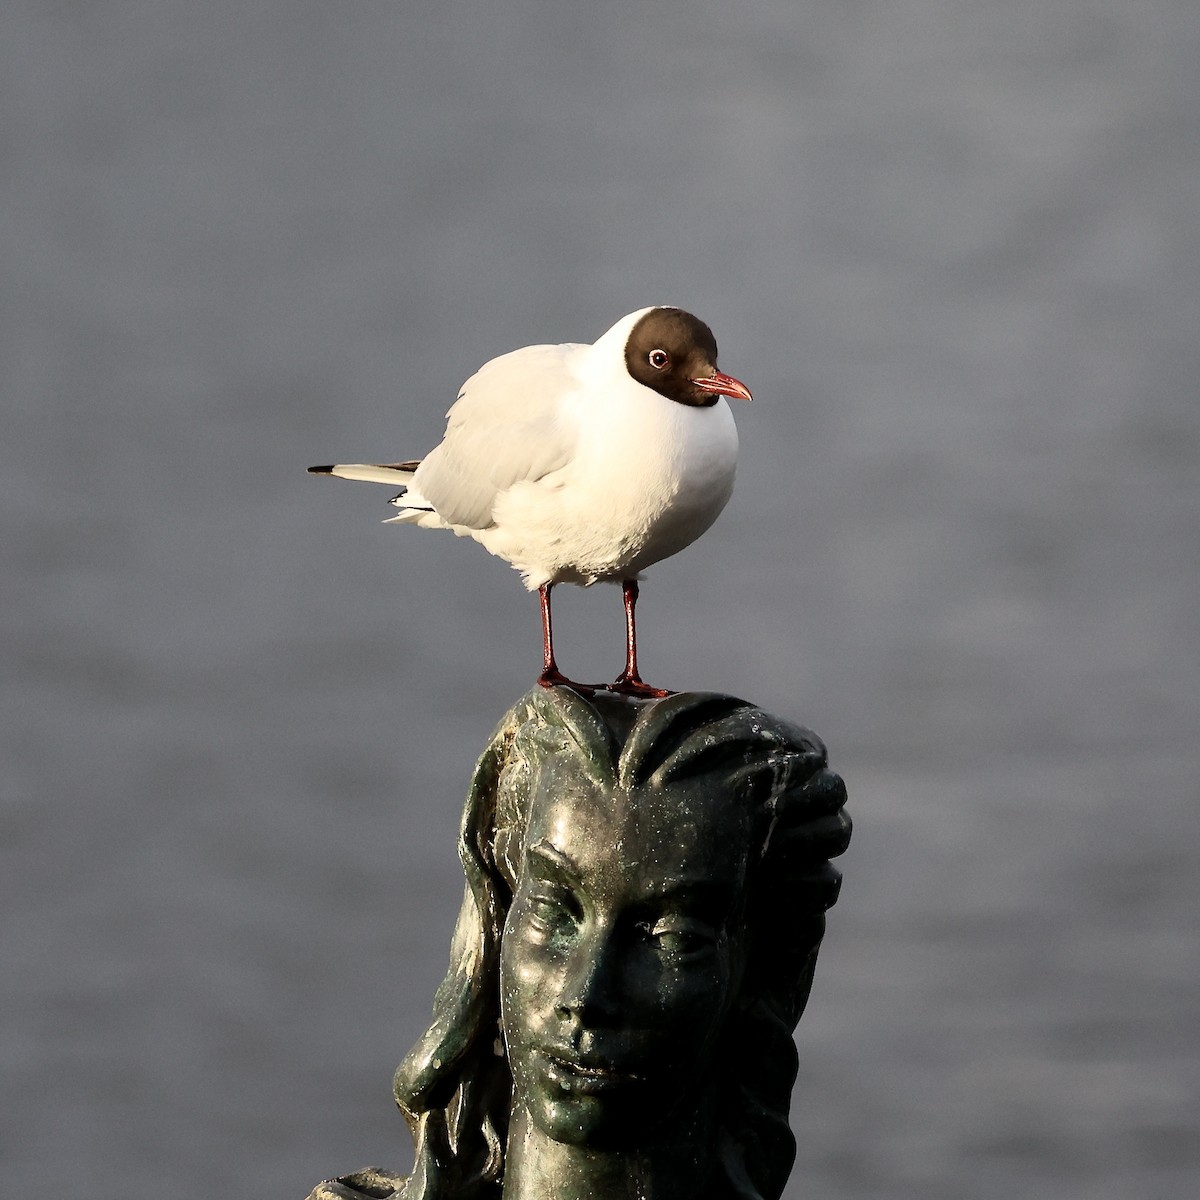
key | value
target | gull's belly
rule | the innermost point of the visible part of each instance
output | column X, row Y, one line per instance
column 618, row 507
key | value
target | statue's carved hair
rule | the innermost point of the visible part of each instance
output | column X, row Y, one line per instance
column 455, row 1087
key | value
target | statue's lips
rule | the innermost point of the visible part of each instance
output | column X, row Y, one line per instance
column 587, row 1076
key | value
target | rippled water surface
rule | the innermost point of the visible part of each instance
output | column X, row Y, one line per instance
column 952, row 247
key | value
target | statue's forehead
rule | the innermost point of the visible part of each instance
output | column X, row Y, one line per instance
column 686, row 828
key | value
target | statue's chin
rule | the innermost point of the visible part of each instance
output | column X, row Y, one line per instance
column 621, row 1118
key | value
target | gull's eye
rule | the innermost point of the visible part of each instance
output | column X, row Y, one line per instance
column 659, row 359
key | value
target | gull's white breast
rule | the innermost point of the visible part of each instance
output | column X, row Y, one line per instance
column 645, row 478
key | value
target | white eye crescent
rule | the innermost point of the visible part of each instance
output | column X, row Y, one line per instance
column 658, row 359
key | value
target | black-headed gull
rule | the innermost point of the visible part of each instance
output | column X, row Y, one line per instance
column 580, row 463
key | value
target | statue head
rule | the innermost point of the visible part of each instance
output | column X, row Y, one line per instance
column 646, row 889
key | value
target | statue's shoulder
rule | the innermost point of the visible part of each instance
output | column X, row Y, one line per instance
column 371, row 1183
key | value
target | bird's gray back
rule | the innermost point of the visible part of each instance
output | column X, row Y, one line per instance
column 504, row 428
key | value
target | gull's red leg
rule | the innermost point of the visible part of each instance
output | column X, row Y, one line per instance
column 551, row 676
column 629, row 682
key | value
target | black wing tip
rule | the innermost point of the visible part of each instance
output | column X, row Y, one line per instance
column 321, row 470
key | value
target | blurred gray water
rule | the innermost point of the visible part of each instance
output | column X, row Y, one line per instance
column 954, row 248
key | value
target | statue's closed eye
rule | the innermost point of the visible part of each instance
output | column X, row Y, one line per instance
column 552, row 911
column 680, row 936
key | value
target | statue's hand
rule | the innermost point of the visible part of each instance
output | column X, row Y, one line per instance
column 373, row 1182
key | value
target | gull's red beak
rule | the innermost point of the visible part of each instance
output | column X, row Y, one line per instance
column 724, row 385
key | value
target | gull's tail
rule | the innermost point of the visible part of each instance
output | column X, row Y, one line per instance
column 395, row 474
column 414, row 508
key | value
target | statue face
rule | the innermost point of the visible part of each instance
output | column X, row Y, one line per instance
column 619, row 961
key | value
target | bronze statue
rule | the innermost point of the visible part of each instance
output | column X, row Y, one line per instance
column 646, row 890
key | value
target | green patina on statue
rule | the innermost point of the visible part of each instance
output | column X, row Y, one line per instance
column 647, row 884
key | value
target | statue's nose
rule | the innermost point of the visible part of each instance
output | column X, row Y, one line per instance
column 590, row 982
